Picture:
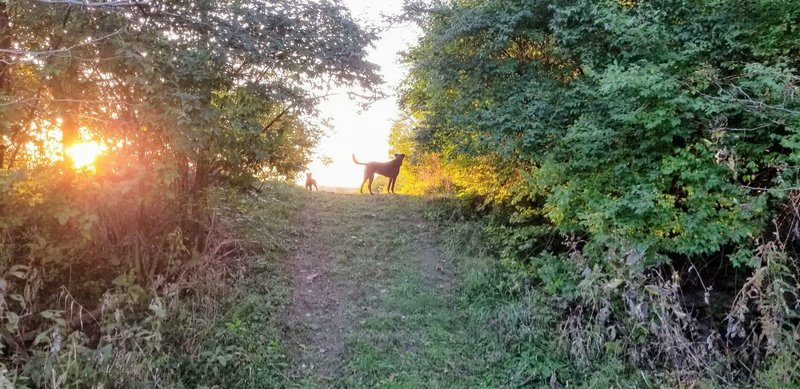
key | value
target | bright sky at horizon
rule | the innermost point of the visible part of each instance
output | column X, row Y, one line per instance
column 354, row 130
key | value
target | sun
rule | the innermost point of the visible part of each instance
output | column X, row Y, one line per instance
column 83, row 154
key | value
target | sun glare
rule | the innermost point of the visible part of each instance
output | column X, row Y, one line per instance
column 84, row 154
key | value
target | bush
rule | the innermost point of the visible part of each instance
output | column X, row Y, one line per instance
column 99, row 276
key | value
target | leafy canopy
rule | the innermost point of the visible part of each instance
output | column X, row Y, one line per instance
column 632, row 125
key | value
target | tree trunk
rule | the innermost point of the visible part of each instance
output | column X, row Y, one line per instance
column 5, row 74
column 197, row 198
column 70, row 110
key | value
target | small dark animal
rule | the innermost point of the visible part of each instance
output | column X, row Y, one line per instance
column 388, row 169
column 311, row 182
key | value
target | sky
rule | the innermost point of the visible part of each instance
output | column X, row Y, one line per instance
column 354, row 130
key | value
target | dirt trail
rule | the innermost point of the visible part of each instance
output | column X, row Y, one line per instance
column 318, row 298
column 352, row 252
column 436, row 272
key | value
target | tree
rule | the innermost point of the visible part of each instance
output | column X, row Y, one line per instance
column 639, row 147
column 173, row 67
column 633, row 125
column 185, row 95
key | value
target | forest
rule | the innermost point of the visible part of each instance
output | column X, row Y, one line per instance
column 607, row 191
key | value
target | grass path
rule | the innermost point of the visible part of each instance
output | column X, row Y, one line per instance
column 373, row 299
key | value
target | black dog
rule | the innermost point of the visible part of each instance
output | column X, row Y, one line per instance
column 388, row 169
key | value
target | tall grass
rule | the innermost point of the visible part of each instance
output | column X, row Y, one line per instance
column 622, row 325
column 102, row 282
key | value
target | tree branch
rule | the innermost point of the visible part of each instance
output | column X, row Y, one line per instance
column 98, row 4
column 287, row 109
column 56, row 51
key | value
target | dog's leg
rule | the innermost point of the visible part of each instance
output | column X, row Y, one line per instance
column 361, row 188
column 390, row 187
column 370, row 184
column 315, row 187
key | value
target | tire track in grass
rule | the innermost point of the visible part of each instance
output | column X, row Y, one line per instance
column 339, row 230
column 374, row 298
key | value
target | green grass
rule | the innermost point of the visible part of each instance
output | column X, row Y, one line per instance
column 232, row 335
column 416, row 324
column 414, row 333
column 410, row 295
column 420, row 304
column 356, row 291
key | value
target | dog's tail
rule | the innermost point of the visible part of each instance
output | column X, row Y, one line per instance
column 354, row 160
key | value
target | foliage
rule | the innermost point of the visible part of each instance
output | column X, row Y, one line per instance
column 516, row 318
column 103, row 267
column 626, row 141
column 210, row 316
column 632, row 143
column 219, row 87
column 422, row 172
column 231, row 331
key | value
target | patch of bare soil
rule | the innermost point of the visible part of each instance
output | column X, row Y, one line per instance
column 436, row 272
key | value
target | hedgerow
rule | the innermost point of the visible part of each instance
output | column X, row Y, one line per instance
column 643, row 157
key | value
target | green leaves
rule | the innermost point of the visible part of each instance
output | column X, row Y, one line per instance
column 203, row 77
column 643, row 124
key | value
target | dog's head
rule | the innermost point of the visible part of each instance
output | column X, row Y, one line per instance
column 308, row 175
column 399, row 156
